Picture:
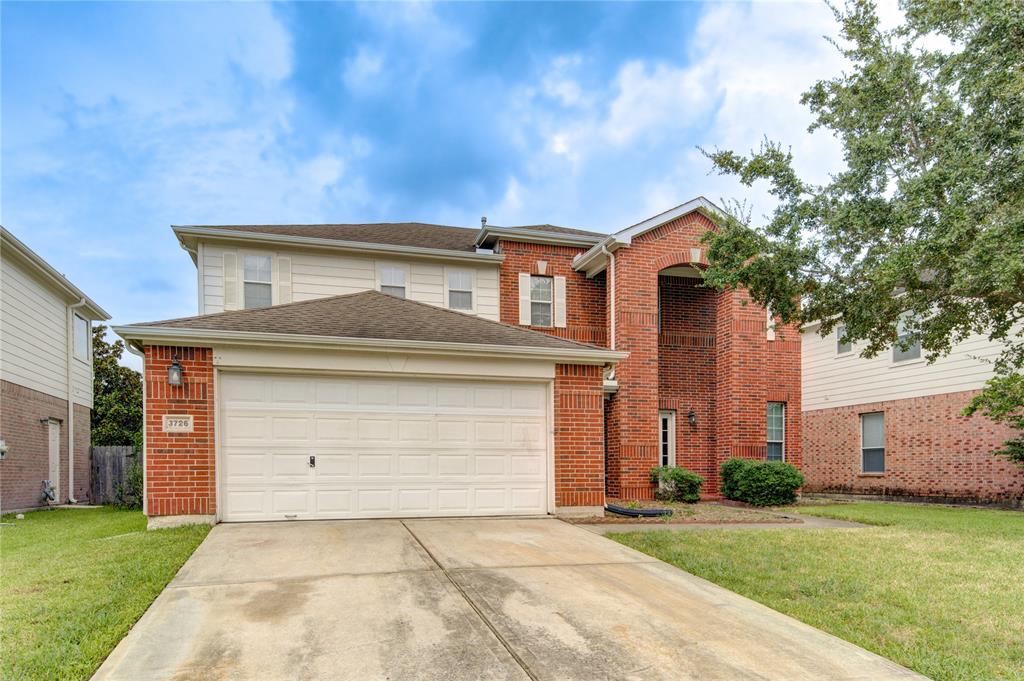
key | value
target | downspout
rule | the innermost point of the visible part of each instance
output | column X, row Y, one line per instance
column 145, row 459
column 71, row 399
column 611, row 282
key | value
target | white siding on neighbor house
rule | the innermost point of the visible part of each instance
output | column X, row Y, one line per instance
column 33, row 336
column 831, row 380
column 318, row 275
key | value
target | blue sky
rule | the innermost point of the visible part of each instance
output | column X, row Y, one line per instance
column 120, row 119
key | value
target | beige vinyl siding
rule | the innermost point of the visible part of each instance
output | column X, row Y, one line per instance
column 831, row 380
column 318, row 275
column 33, row 337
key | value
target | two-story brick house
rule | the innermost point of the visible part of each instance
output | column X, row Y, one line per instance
column 406, row 369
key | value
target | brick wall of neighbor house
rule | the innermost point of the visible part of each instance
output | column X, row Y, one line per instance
column 585, row 298
column 749, row 370
column 930, row 451
column 180, row 467
column 579, row 435
column 28, row 459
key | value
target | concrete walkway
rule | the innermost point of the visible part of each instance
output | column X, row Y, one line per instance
column 807, row 522
column 461, row 599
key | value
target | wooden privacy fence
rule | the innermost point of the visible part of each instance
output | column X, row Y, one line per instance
column 110, row 466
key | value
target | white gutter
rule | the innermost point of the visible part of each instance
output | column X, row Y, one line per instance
column 161, row 334
column 535, row 236
column 611, row 288
column 333, row 244
column 71, row 400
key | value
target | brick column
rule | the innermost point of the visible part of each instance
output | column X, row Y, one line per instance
column 579, row 436
column 180, row 467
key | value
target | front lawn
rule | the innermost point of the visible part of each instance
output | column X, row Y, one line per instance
column 73, row 581
column 935, row 588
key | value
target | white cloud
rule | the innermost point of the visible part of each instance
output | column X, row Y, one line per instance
column 653, row 98
column 362, row 71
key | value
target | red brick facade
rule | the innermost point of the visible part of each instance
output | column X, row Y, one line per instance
column 584, row 298
column 930, row 451
column 180, row 467
column 28, row 460
column 579, row 435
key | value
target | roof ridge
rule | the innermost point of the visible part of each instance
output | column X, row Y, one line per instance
column 294, row 303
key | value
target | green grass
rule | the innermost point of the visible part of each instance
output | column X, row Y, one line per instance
column 72, row 583
column 937, row 589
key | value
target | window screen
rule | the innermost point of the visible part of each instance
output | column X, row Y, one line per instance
column 256, row 277
column 776, row 431
column 872, row 435
column 460, row 290
column 540, row 301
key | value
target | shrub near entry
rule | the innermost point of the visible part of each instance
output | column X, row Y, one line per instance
column 760, row 483
column 677, row 484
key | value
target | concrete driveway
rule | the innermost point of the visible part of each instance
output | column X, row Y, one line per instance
column 460, row 599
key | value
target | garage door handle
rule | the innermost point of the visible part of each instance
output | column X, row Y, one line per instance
column 312, row 462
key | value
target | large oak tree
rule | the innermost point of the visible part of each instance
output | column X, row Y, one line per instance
column 922, row 233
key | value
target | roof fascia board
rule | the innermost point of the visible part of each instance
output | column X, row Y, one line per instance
column 51, row 275
column 592, row 262
column 155, row 334
column 185, row 233
column 489, row 235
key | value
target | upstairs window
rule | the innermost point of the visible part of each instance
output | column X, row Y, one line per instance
column 913, row 350
column 540, row 300
column 81, row 338
column 392, row 280
column 460, row 290
column 776, row 431
column 872, row 442
column 256, row 278
column 842, row 347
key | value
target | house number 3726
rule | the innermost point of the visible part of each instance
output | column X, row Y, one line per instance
column 177, row 424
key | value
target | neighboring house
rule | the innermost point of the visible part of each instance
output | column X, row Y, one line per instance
column 406, row 369
column 45, row 365
column 891, row 425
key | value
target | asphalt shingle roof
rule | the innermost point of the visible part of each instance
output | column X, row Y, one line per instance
column 371, row 315
column 419, row 234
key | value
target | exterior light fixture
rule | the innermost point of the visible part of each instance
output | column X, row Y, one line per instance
column 174, row 373
column 692, row 417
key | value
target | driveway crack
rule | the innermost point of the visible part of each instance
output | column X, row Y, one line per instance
column 458, row 587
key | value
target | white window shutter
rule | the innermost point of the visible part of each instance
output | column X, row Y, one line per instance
column 231, row 282
column 284, row 280
column 524, row 298
column 559, row 312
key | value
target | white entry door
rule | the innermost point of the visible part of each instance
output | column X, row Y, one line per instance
column 295, row 447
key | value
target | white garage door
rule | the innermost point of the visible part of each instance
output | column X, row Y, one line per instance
column 328, row 447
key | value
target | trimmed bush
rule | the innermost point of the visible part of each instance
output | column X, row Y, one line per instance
column 730, row 472
column 676, row 484
column 760, row 483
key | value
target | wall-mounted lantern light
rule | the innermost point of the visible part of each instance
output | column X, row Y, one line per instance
column 174, row 372
column 692, row 417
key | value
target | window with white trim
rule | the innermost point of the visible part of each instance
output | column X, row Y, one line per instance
column 872, row 442
column 913, row 350
column 776, row 431
column 667, row 437
column 842, row 347
column 460, row 290
column 540, row 300
column 256, row 281
column 81, row 338
column 392, row 280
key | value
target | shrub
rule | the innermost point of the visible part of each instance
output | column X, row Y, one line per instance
column 130, row 494
column 677, row 484
column 730, row 472
column 760, row 483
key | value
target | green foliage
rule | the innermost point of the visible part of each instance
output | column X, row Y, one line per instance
column 677, row 484
column 729, row 473
column 923, row 227
column 760, row 483
column 117, row 398
column 1002, row 400
column 129, row 495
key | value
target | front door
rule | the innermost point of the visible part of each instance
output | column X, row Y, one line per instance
column 667, row 438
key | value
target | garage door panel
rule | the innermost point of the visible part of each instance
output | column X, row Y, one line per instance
column 383, row 447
